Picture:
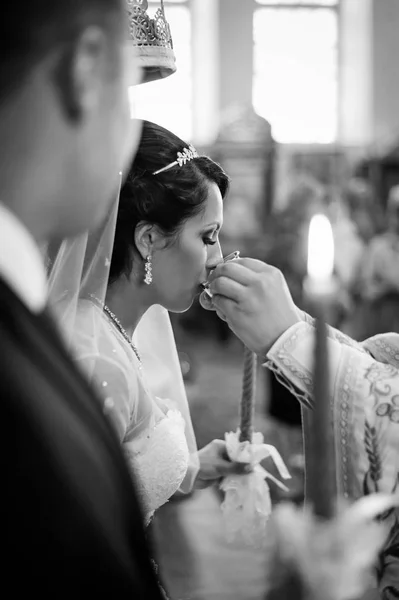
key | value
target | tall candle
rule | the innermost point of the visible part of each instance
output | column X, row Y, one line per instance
column 247, row 405
column 320, row 291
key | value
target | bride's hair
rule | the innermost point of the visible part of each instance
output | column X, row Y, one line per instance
column 167, row 200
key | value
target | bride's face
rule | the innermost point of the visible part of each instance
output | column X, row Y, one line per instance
column 180, row 268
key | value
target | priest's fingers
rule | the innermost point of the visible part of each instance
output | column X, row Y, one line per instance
column 242, row 270
column 237, row 272
column 257, row 266
column 224, row 286
column 258, row 312
column 224, row 306
column 221, row 315
column 207, row 303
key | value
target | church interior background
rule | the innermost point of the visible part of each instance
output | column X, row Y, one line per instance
column 299, row 101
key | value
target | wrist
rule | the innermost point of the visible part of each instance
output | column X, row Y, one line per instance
column 265, row 349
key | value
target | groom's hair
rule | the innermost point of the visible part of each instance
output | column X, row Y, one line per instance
column 32, row 29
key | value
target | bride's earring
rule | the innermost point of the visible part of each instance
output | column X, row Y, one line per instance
column 148, row 270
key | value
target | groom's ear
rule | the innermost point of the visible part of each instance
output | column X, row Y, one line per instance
column 81, row 73
column 148, row 238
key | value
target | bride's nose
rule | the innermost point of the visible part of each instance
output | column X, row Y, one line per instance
column 215, row 257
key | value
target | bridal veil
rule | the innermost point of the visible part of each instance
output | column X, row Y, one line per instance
column 78, row 276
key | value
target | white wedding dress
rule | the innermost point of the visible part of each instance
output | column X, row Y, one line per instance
column 151, row 430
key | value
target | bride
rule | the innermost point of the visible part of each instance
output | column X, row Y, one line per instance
column 111, row 292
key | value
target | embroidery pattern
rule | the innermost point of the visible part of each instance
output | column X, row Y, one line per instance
column 344, row 409
column 385, row 402
column 371, row 444
column 390, row 552
column 383, row 351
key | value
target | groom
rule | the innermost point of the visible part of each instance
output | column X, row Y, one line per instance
column 72, row 526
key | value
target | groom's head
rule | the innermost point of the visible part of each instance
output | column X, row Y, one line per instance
column 64, row 110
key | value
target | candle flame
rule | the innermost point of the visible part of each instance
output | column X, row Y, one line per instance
column 320, row 249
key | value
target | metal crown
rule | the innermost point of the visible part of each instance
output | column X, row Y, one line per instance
column 152, row 39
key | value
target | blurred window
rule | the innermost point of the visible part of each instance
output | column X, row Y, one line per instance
column 295, row 83
column 300, row 3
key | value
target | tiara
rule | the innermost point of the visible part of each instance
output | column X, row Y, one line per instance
column 152, row 39
column 182, row 158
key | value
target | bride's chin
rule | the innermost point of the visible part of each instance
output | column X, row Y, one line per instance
column 181, row 307
column 184, row 309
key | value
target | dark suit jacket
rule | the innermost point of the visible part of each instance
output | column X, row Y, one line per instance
column 71, row 523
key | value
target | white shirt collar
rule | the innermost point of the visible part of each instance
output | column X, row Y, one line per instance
column 21, row 263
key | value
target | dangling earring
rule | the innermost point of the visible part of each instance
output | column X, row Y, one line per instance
column 148, row 270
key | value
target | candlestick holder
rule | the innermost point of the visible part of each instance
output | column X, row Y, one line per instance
column 320, row 290
column 321, row 487
column 247, row 405
column 247, row 505
column 314, row 559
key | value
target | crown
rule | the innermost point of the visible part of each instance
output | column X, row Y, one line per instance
column 152, row 40
column 182, row 158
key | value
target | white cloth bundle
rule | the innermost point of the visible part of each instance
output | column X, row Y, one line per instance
column 247, row 505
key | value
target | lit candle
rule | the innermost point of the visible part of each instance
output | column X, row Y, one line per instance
column 320, row 283
column 320, row 289
column 247, row 405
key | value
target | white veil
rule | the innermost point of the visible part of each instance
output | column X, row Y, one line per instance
column 78, row 278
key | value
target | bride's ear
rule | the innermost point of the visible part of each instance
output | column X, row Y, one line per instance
column 147, row 238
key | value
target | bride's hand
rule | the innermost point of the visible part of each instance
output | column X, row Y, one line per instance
column 215, row 464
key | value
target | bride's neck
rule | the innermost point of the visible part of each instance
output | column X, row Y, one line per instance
column 128, row 302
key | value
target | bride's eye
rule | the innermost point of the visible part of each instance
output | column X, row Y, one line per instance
column 210, row 237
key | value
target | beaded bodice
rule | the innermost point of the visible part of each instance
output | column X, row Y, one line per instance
column 159, row 458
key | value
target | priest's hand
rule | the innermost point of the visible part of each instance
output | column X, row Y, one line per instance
column 215, row 464
column 254, row 299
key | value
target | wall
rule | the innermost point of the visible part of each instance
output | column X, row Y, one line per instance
column 355, row 112
column 236, row 51
column 206, row 70
column 385, row 72
column 369, row 75
column 369, row 95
